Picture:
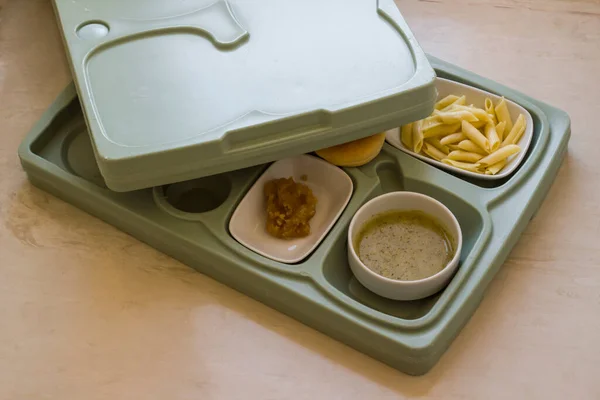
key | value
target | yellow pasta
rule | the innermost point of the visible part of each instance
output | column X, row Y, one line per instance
column 519, row 135
column 446, row 101
column 461, row 155
column 453, row 138
column 406, row 135
column 500, row 129
column 439, row 128
column 435, row 142
column 476, row 137
column 489, row 108
column 452, row 117
column 417, row 137
column 468, row 145
column 516, row 131
column 478, row 124
column 432, row 152
column 458, row 102
column 503, row 115
column 480, row 114
column 432, row 120
column 463, row 165
column 492, row 136
column 495, row 168
column 502, row 154
column 488, row 105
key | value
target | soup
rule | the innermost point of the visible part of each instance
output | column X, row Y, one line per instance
column 404, row 245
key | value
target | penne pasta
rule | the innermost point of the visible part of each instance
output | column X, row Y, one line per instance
column 480, row 114
column 503, row 115
column 502, row 154
column 435, row 142
column 432, row 152
column 417, row 137
column 462, row 135
column 519, row 135
column 516, row 131
column 446, row 101
column 468, row 145
column 489, row 108
column 453, row 138
column 452, row 117
column 461, row 155
column 500, row 129
column 439, row 129
column 495, row 168
column 432, row 120
column 492, row 136
column 406, row 135
column 475, row 136
column 462, row 100
column 478, row 124
column 488, row 105
column 462, row 165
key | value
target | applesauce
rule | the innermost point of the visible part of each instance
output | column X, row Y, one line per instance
column 290, row 207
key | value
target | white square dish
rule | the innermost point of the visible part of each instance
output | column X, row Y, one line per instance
column 331, row 186
column 477, row 97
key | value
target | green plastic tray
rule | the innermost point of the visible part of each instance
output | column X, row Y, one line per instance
column 176, row 90
column 321, row 291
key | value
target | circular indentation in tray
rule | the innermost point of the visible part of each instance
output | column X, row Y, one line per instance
column 194, row 197
column 92, row 30
column 78, row 156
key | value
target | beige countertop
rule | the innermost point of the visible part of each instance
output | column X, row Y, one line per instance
column 88, row 312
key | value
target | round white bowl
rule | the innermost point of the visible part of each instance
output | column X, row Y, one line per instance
column 392, row 288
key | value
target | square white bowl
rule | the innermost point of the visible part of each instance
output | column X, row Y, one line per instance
column 331, row 186
column 476, row 97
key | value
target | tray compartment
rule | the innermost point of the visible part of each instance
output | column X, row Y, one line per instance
column 69, row 146
column 78, row 155
column 206, row 198
column 199, row 195
column 335, row 268
column 540, row 124
column 537, row 135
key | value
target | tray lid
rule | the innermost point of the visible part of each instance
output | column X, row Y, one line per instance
column 176, row 90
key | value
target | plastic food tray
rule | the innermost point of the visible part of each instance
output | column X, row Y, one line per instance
column 202, row 87
column 321, row 291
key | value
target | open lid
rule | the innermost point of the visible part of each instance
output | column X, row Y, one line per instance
column 176, row 90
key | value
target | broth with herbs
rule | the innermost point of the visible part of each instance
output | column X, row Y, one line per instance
column 404, row 245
